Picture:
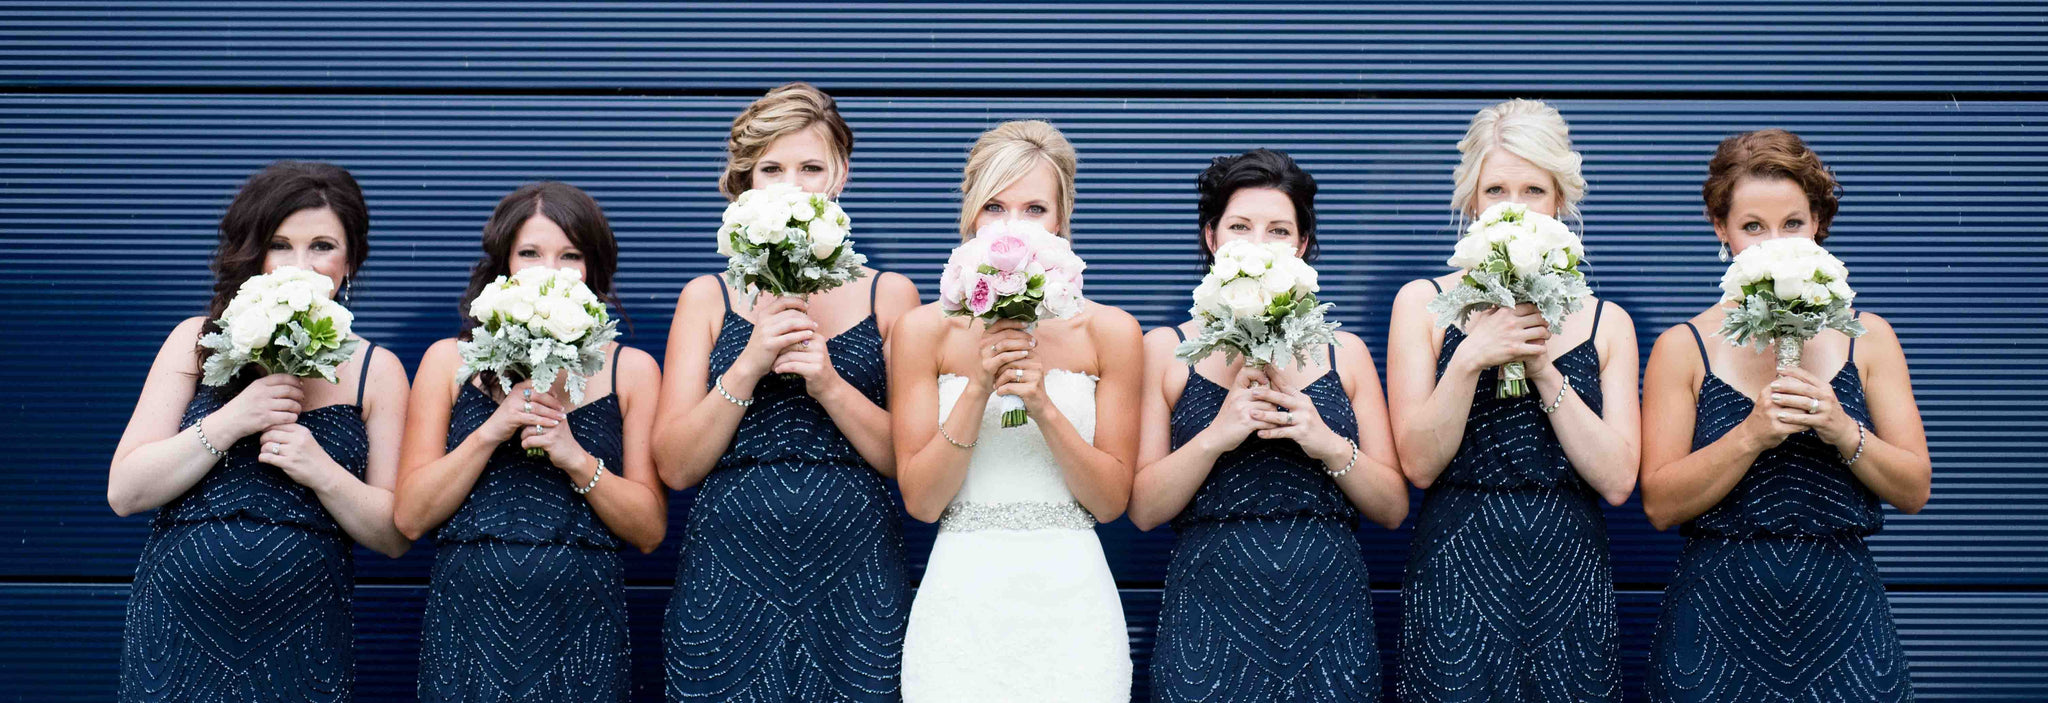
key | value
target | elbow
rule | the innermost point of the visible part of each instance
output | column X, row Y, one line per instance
column 1618, row 495
column 123, row 505
column 1660, row 518
column 1914, row 503
column 1144, row 522
column 396, row 549
column 924, row 515
column 1415, row 476
column 412, row 527
column 651, row 541
column 1391, row 520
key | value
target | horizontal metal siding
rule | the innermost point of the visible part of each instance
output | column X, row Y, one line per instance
column 1466, row 46
column 1963, row 647
column 107, row 205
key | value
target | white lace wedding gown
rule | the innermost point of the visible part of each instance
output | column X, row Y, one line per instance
column 1017, row 602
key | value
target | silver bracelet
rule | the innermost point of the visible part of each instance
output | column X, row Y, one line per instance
column 1347, row 465
column 955, row 442
column 720, row 385
column 1555, row 404
column 200, row 429
column 594, row 476
column 1860, row 439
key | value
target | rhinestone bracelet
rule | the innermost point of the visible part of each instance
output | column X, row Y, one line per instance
column 199, row 428
column 1347, row 465
column 720, row 385
column 594, row 476
column 955, row 442
column 1554, row 405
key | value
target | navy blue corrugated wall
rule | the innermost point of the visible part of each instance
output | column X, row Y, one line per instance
column 125, row 127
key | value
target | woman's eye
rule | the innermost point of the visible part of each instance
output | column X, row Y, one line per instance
column 991, row 207
column 572, row 256
column 1282, row 233
column 1239, row 227
column 528, row 254
column 771, row 169
column 1794, row 224
column 280, row 245
column 1036, row 210
column 1493, row 190
column 1753, row 227
column 323, row 246
column 1535, row 190
column 814, row 168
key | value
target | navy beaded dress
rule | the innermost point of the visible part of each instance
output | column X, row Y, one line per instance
column 791, row 584
column 1775, row 596
column 1510, row 589
column 1266, row 591
column 528, row 597
column 245, row 586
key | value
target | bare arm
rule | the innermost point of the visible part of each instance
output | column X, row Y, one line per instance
column 865, row 424
column 1602, row 447
column 1098, row 473
column 1680, row 484
column 929, row 468
column 1374, row 485
column 433, row 481
column 363, row 507
column 1428, row 416
column 1168, row 478
column 1895, row 464
column 635, row 508
column 693, row 424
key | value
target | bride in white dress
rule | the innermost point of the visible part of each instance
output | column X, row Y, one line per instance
column 1017, row 602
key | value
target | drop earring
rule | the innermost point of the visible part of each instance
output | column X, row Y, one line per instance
column 346, row 293
column 1724, row 252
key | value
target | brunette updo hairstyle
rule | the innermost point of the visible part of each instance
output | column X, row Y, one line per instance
column 1258, row 168
column 1771, row 154
column 271, row 195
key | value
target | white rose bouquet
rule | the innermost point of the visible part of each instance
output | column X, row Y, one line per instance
column 1512, row 256
column 781, row 240
column 537, row 324
column 1258, row 301
column 1786, row 291
column 283, row 321
column 1012, row 270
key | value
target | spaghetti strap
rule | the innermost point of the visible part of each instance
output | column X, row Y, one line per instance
column 874, row 288
column 1598, row 308
column 1852, row 340
column 1176, row 333
column 723, row 295
column 1702, row 342
column 616, row 348
column 1433, row 284
column 363, row 377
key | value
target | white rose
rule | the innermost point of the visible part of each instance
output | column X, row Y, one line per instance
column 802, row 211
column 825, row 238
column 1244, row 297
column 1840, row 289
column 564, row 320
column 1225, row 268
column 1304, row 277
column 1471, row 252
column 1525, row 254
column 518, row 303
column 1062, row 301
column 1208, row 296
column 1789, row 289
column 1278, row 279
column 1816, row 294
column 251, row 332
column 342, row 318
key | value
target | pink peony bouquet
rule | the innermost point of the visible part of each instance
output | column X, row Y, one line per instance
column 1012, row 270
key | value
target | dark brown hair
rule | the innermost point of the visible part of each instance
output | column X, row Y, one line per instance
column 569, row 208
column 1258, row 168
column 1771, row 153
column 268, row 198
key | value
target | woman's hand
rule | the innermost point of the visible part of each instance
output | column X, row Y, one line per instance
column 813, row 363
column 1001, row 344
column 1294, row 417
column 269, row 401
column 784, row 324
column 554, row 437
column 291, row 447
column 521, row 409
column 1501, row 335
column 1803, row 400
column 1239, row 416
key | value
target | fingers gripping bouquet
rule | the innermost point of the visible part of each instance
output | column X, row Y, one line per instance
column 781, row 240
column 284, row 322
column 1258, row 302
column 1512, row 256
column 1012, row 270
column 1786, row 291
column 537, row 324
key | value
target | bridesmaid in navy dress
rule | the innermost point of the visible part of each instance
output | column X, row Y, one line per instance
column 1777, row 474
column 1263, row 474
column 1509, row 592
column 262, row 486
column 791, row 584
column 527, row 600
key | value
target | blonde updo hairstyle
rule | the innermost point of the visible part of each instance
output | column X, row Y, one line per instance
column 1528, row 129
column 1008, row 153
column 786, row 110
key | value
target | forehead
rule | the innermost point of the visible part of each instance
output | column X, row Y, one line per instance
column 803, row 144
column 1763, row 193
column 538, row 230
column 1260, row 203
column 1039, row 184
column 310, row 223
column 1504, row 165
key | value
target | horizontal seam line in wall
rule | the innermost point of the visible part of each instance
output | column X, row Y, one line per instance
column 2025, row 95
column 1967, row 588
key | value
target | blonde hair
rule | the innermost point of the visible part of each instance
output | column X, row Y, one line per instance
column 1528, row 129
column 1008, row 153
column 786, row 110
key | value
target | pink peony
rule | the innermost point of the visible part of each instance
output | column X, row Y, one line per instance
column 1010, row 283
column 981, row 294
column 952, row 290
column 1008, row 252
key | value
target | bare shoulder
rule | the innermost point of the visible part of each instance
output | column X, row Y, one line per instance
column 700, row 291
column 1351, row 347
column 384, row 364
column 1416, row 293
column 1159, row 345
column 893, row 285
column 636, row 364
column 1108, row 323
column 1879, row 339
